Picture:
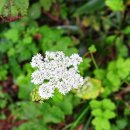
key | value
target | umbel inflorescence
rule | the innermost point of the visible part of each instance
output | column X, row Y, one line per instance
column 56, row 71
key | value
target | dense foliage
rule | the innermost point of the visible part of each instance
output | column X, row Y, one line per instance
column 99, row 30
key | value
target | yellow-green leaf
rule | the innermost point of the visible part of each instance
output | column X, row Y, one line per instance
column 91, row 89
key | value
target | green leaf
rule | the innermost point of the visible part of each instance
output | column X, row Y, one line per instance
column 90, row 6
column 122, row 123
column 66, row 104
column 115, row 5
column 46, row 4
column 114, row 79
column 108, row 104
column 16, row 70
column 122, row 50
column 122, row 66
column 99, row 73
column 25, row 86
column 54, row 115
column 95, row 104
column 111, row 39
column 35, row 11
column 97, row 112
column 58, row 97
column 32, row 125
column 84, row 66
column 127, row 30
column 111, row 66
column 12, row 35
column 3, row 103
column 5, row 46
column 22, row 110
column 92, row 49
column 108, row 114
column 127, row 111
column 3, row 71
column 101, row 123
column 54, row 40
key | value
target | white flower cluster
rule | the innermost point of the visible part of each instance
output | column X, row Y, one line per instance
column 56, row 71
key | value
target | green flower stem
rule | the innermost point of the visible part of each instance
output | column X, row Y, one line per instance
column 87, row 123
column 93, row 60
column 79, row 118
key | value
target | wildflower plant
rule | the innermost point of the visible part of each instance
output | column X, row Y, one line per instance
column 56, row 71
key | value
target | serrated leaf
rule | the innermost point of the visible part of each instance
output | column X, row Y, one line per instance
column 122, row 68
column 108, row 114
column 101, row 123
column 114, row 79
column 108, row 104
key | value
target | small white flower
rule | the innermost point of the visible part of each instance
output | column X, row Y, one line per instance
column 36, row 60
column 46, row 91
column 63, row 87
column 76, row 60
column 56, row 71
column 37, row 77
